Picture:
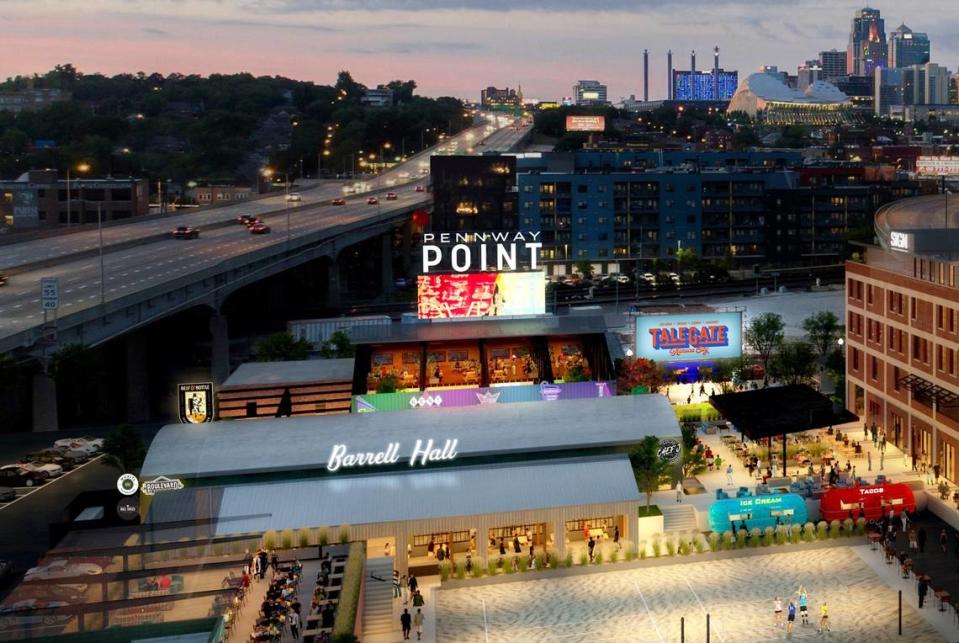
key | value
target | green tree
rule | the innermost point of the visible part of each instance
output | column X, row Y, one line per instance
column 124, row 449
column 694, row 456
column 822, row 331
column 281, row 347
column 765, row 334
column 794, row 363
column 338, row 345
column 686, row 259
column 584, row 268
column 649, row 469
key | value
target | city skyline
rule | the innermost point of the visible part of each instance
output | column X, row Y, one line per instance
column 545, row 45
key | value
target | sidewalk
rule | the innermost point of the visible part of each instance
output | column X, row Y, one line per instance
column 427, row 586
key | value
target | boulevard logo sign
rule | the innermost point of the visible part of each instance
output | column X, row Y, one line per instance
column 160, row 484
column 669, row 450
column 196, row 403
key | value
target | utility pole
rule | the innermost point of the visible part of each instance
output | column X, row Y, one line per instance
column 69, row 223
column 160, row 195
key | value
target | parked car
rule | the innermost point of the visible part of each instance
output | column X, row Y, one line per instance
column 13, row 616
column 46, row 469
column 339, row 201
column 259, row 228
column 6, row 495
column 618, row 277
column 293, row 197
column 15, row 476
column 78, row 457
column 245, row 219
column 95, row 443
column 186, row 232
column 63, row 568
column 48, row 458
column 372, row 201
column 391, row 196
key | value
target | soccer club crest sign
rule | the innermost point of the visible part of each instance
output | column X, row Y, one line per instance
column 196, row 403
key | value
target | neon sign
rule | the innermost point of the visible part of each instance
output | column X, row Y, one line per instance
column 899, row 241
column 503, row 252
column 422, row 454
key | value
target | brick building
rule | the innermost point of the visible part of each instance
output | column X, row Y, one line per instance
column 902, row 331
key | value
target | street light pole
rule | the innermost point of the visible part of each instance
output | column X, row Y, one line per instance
column 69, row 223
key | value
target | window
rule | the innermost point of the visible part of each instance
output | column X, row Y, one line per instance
column 581, row 220
column 691, row 218
column 582, row 187
column 602, row 220
column 895, row 379
column 869, row 294
column 873, row 367
column 855, row 359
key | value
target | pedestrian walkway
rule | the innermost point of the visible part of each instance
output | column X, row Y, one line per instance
column 428, row 586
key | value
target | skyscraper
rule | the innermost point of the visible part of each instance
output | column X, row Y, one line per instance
column 807, row 74
column 833, row 64
column 867, row 43
column 907, row 47
column 589, row 92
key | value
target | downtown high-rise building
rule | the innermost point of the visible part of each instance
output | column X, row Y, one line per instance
column 908, row 47
column 867, row 43
column 833, row 64
column 589, row 92
column 808, row 73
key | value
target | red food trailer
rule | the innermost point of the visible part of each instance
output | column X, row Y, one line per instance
column 871, row 502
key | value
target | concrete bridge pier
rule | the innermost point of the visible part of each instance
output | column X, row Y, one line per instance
column 44, row 403
column 220, row 357
column 138, row 384
column 333, row 287
column 386, row 263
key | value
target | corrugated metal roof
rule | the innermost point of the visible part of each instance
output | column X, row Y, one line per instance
column 244, row 447
column 296, row 372
column 414, row 495
column 437, row 331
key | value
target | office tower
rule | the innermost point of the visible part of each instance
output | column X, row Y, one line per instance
column 669, row 75
column 807, row 74
column 716, row 70
column 833, row 64
column 936, row 86
column 867, row 43
column 589, row 92
column 645, row 74
column 907, row 47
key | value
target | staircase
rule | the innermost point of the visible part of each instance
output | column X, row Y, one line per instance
column 378, row 598
column 678, row 518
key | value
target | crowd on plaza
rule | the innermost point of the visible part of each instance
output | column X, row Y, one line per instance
column 280, row 609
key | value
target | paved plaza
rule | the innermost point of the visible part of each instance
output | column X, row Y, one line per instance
column 647, row 604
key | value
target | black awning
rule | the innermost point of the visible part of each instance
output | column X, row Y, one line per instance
column 780, row 409
column 927, row 392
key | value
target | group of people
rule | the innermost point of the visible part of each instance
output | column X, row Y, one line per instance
column 786, row 618
column 408, row 622
column 280, row 609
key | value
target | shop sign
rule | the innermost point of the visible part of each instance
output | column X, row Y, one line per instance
column 480, row 251
column 160, row 484
column 669, row 450
column 758, row 511
column 196, row 403
column 423, row 453
column 481, row 396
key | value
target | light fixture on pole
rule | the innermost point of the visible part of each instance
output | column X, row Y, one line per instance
column 81, row 167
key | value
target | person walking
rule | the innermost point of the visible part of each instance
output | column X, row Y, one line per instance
column 882, row 459
column 922, row 588
column 778, row 612
column 413, row 584
column 396, row 584
column 294, row 620
column 616, row 538
column 823, row 617
column 729, row 475
column 406, row 623
column 679, row 491
column 790, row 618
column 936, row 469
column 591, row 545
column 943, row 540
column 868, row 460
column 418, row 623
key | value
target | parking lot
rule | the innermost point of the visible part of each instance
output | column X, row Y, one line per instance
column 23, row 492
column 647, row 604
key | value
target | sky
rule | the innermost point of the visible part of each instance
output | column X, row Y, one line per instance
column 449, row 47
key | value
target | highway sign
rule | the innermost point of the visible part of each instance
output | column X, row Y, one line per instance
column 50, row 293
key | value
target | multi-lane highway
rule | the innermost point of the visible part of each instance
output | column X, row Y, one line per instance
column 160, row 258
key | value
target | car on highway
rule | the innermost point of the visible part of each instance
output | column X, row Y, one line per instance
column 293, row 197
column 339, row 201
column 259, row 228
column 391, row 196
column 87, row 441
column 245, row 219
column 3, row 279
column 186, row 232
column 7, row 494
column 45, row 469
column 47, row 458
column 419, row 188
column 372, row 201
column 19, row 477
column 13, row 616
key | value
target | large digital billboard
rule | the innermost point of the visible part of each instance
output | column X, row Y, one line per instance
column 689, row 337
column 586, row 123
column 938, row 165
column 481, row 294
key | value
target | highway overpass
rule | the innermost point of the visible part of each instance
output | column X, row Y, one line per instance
column 149, row 275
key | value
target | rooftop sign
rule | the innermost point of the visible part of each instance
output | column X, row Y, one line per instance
column 423, row 453
column 900, row 241
column 479, row 250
